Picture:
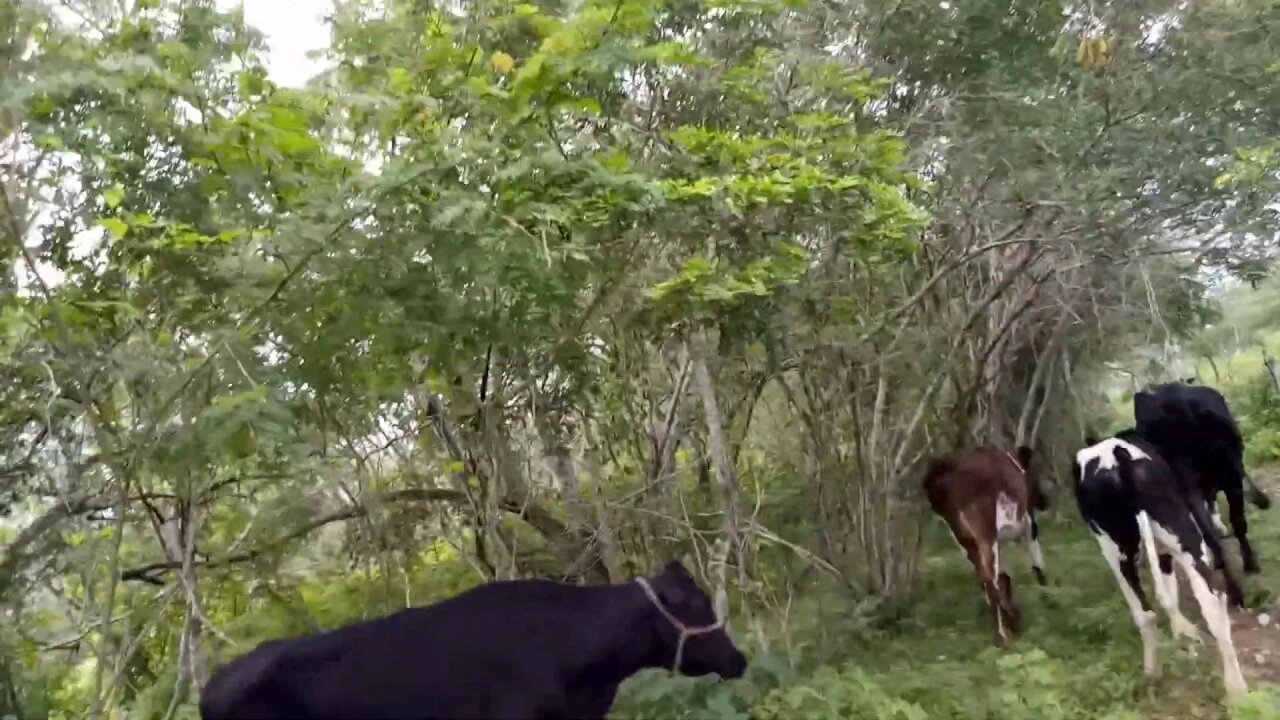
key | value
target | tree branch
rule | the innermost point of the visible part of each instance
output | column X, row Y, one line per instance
column 537, row 516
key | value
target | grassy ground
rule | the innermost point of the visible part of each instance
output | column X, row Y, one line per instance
column 1079, row 655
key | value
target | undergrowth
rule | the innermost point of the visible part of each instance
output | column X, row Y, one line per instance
column 1079, row 655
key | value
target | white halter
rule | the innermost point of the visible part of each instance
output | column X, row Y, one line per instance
column 686, row 632
column 1015, row 462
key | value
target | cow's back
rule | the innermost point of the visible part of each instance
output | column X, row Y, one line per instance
column 497, row 650
column 1191, row 422
column 244, row 687
column 959, row 479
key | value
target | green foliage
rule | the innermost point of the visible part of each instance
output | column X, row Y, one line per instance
column 1257, row 403
column 660, row 694
column 1021, row 685
column 1242, row 375
column 1261, row 702
column 832, row 693
column 1079, row 656
column 337, row 331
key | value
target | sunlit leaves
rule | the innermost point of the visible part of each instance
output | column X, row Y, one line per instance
column 1252, row 168
column 117, row 227
column 706, row 289
column 489, row 208
column 113, row 195
column 502, row 62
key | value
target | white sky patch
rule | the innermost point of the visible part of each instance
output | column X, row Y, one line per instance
column 293, row 29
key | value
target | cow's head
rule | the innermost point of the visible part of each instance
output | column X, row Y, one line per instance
column 684, row 610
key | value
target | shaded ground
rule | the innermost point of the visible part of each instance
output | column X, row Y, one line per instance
column 1256, row 630
column 1257, row 645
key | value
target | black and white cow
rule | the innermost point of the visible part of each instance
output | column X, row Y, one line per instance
column 1133, row 503
column 1194, row 430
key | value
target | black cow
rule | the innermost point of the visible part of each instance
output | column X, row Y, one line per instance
column 1193, row 428
column 515, row 649
column 1133, row 501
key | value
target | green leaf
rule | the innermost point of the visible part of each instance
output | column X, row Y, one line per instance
column 400, row 81
column 115, row 226
column 113, row 195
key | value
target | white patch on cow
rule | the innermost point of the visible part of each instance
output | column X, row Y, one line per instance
column 1011, row 521
column 1105, row 453
column 1206, row 557
column 1146, row 621
column 1037, row 556
column 1216, row 518
column 1166, row 585
column 995, row 560
column 1213, row 607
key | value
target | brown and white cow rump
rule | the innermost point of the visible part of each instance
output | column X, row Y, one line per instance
column 988, row 496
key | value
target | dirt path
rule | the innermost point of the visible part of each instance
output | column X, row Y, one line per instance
column 1256, row 630
column 1257, row 637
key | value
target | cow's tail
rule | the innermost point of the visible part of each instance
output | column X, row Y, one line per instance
column 936, row 469
column 1256, row 496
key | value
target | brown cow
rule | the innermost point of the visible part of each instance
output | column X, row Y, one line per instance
column 987, row 496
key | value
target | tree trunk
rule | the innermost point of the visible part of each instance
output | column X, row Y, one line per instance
column 722, row 459
column 1270, row 362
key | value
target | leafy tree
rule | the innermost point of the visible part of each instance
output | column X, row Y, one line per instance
column 563, row 289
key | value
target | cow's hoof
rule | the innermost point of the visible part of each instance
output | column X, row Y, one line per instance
column 1148, row 687
column 1235, row 686
column 1015, row 623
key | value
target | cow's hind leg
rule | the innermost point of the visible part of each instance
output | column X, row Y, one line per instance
column 1124, row 565
column 1211, row 506
column 1190, row 545
column 1200, row 538
column 1239, row 525
column 1013, row 617
column 1213, row 608
column 1169, row 599
column 1033, row 547
column 983, row 556
column 1165, row 581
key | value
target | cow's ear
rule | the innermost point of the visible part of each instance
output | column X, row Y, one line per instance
column 675, row 568
column 671, row 585
column 1091, row 440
